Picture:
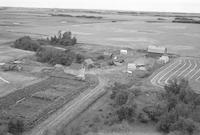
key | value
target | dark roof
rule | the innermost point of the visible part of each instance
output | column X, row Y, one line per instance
column 157, row 49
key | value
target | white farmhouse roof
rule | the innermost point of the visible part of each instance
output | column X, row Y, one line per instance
column 131, row 67
column 165, row 59
column 157, row 49
column 123, row 52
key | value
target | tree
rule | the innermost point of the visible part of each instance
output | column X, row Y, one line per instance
column 121, row 98
column 79, row 58
column 26, row 43
column 166, row 121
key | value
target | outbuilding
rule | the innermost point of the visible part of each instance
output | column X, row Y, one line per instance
column 88, row 63
column 123, row 52
column 131, row 67
column 164, row 59
column 154, row 51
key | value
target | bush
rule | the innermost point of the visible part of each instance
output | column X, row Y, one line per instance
column 153, row 112
column 16, row 126
column 80, row 58
column 101, row 57
column 121, row 98
column 55, row 56
column 65, row 39
column 126, row 113
column 3, row 129
column 143, row 117
column 26, row 43
column 180, row 109
column 167, row 121
column 187, row 126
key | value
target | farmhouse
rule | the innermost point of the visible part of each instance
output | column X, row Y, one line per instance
column 164, row 59
column 76, row 69
column 156, row 51
column 123, row 52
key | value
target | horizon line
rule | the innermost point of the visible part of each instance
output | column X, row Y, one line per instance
column 128, row 10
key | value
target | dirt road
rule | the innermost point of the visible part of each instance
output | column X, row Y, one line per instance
column 71, row 110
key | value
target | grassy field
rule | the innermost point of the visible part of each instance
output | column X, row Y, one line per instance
column 127, row 30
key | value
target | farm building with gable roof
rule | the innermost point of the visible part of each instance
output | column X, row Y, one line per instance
column 156, row 50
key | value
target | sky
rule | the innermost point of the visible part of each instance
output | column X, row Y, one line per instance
column 191, row 6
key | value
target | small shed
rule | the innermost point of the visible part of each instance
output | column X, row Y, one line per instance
column 88, row 62
column 164, row 59
column 123, row 52
column 131, row 67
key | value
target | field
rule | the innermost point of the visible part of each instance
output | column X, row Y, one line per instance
column 112, row 30
column 188, row 68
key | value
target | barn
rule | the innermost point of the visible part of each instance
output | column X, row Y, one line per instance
column 156, row 51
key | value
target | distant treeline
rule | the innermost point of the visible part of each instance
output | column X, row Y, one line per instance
column 78, row 16
column 185, row 20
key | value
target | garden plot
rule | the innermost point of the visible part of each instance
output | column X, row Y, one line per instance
column 49, row 95
column 29, row 108
column 45, row 100
column 14, row 81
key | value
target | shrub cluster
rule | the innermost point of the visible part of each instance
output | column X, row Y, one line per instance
column 178, row 110
column 65, row 39
column 55, row 56
column 124, row 105
column 26, row 43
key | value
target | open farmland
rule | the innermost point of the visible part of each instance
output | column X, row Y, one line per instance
column 188, row 68
column 113, row 29
column 46, row 99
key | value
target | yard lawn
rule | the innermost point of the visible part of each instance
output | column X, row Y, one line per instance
column 8, row 53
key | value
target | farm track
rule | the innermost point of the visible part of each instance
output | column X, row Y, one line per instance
column 188, row 68
column 73, row 108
